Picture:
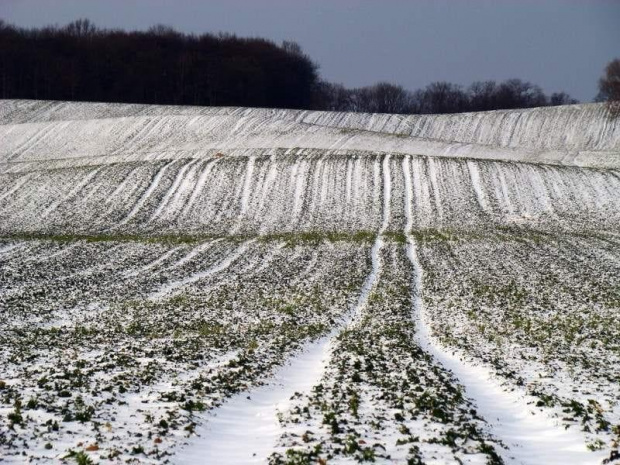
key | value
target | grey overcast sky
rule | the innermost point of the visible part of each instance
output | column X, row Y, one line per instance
column 557, row 44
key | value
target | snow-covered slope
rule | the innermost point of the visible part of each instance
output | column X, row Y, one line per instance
column 582, row 135
column 156, row 260
column 571, row 127
column 91, row 168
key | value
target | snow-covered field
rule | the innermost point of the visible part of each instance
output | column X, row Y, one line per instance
column 226, row 285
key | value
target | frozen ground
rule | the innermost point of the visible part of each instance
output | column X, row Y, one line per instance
column 225, row 285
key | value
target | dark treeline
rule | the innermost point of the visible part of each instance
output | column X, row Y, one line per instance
column 438, row 97
column 81, row 62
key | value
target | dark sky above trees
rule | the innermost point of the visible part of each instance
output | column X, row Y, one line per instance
column 561, row 45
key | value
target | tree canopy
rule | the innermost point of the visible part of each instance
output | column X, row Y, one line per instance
column 160, row 65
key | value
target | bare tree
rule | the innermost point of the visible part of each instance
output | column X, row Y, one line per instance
column 609, row 86
column 163, row 30
column 443, row 97
column 561, row 98
column 389, row 98
column 515, row 93
column 482, row 95
column 292, row 47
column 332, row 97
column 81, row 28
column 382, row 97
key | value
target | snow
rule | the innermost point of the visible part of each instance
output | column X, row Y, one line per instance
column 579, row 135
column 246, row 186
column 246, row 428
column 162, row 239
column 477, row 185
column 387, row 194
column 142, row 200
column 172, row 192
column 228, row 260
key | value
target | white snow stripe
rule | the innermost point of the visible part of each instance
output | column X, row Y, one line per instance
column 218, row 268
column 387, row 194
column 247, row 186
column 245, row 429
column 198, row 187
column 172, row 190
column 258, row 409
column 432, row 175
column 152, row 264
column 193, row 253
column 73, row 192
column 244, row 194
column 408, row 194
column 18, row 185
column 476, row 183
column 298, row 177
column 147, row 193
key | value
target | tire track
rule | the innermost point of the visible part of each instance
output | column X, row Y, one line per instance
column 258, row 410
column 532, row 438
